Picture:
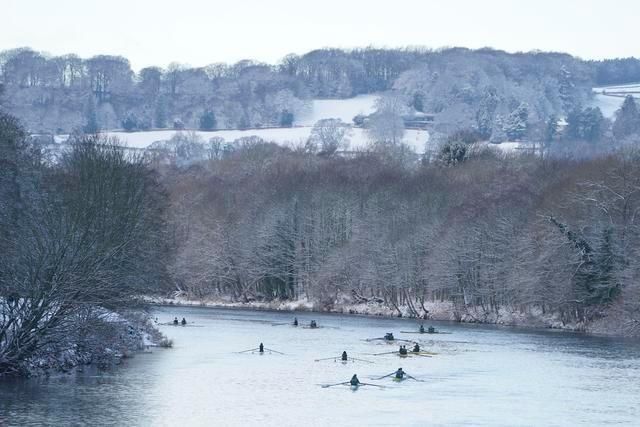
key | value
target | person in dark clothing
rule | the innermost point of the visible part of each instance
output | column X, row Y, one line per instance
column 295, row 321
column 403, row 350
column 313, row 324
column 400, row 374
column 432, row 330
column 388, row 336
column 184, row 321
column 175, row 321
column 261, row 348
column 344, row 356
column 422, row 329
column 354, row 380
column 416, row 348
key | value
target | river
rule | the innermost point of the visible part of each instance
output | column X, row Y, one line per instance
column 481, row 375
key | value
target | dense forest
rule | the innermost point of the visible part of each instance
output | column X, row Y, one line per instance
column 65, row 93
column 490, row 234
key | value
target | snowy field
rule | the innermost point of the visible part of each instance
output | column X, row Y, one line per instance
column 343, row 109
column 609, row 104
column 293, row 137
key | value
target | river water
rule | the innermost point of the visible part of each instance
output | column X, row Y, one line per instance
column 482, row 375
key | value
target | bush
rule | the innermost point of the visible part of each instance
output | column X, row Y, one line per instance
column 178, row 124
column 165, row 343
column 286, row 119
column 208, row 120
column 130, row 123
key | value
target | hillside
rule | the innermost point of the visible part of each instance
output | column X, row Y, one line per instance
column 463, row 88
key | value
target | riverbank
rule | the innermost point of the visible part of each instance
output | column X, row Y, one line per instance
column 112, row 337
column 437, row 311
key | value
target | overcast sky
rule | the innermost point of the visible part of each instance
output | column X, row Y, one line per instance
column 200, row 32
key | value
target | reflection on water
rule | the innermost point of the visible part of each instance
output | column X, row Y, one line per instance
column 481, row 375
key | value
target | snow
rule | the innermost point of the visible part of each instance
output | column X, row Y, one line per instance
column 343, row 109
column 295, row 136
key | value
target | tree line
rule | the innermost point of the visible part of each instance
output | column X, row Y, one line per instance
column 546, row 235
column 65, row 93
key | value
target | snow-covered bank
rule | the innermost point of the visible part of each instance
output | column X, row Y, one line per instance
column 439, row 311
column 112, row 339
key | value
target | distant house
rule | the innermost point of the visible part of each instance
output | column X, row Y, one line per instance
column 418, row 120
column 413, row 120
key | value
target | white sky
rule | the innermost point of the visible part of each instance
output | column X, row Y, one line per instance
column 200, row 32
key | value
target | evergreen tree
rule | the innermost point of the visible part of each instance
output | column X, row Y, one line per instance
column 585, row 125
column 452, row 153
column 551, row 130
column 130, row 123
column 91, row 118
column 498, row 134
column 606, row 287
column 208, row 120
column 160, row 114
column 627, row 118
column 486, row 111
column 418, row 101
column 517, row 122
column 286, row 119
column 592, row 124
column 566, row 89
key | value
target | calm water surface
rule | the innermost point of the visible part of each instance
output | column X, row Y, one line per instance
column 481, row 376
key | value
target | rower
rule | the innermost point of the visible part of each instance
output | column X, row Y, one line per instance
column 388, row 336
column 354, row 380
column 295, row 321
column 344, row 356
column 416, row 348
column 313, row 324
column 422, row 329
column 175, row 321
column 261, row 348
column 184, row 321
column 400, row 374
column 432, row 330
column 403, row 350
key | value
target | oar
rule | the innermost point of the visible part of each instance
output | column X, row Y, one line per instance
column 279, row 324
column 246, row 351
column 360, row 360
column 273, row 351
column 422, row 355
column 415, row 379
column 333, row 385
column 386, row 352
column 386, row 376
column 372, row 385
column 328, row 358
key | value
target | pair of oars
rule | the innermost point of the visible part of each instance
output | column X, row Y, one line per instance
column 258, row 348
column 340, row 357
column 349, row 383
column 409, row 353
column 404, row 373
